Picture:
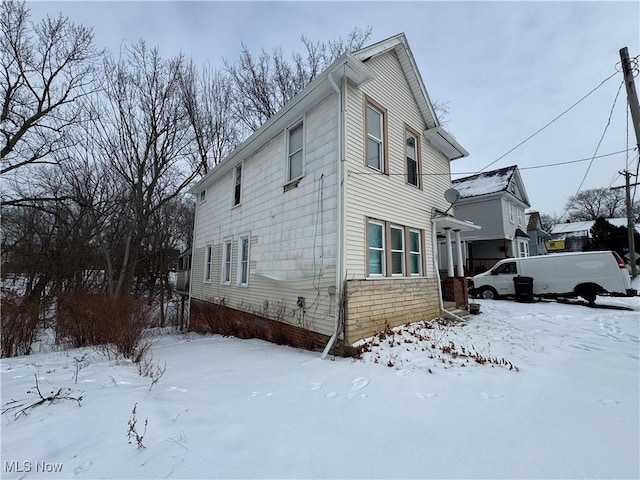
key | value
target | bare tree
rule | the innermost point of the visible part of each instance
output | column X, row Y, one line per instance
column 147, row 139
column 263, row 84
column 45, row 68
column 596, row 202
column 208, row 99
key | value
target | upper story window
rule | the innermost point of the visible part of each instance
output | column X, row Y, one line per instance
column 237, row 190
column 511, row 218
column 295, row 152
column 520, row 217
column 376, row 135
column 203, row 195
column 412, row 153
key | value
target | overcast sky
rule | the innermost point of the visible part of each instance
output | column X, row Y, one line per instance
column 506, row 69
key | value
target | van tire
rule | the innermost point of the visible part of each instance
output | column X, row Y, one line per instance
column 488, row 293
column 589, row 292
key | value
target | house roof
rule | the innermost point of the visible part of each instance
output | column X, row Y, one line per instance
column 435, row 133
column 352, row 66
column 484, row 183
column 578, row 227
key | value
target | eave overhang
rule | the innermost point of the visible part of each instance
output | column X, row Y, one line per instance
column 445, row 143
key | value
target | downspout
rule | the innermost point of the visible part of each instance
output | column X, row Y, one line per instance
column 434, row 249
column 339, row 194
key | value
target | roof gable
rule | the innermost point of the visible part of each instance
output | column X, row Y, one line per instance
column 505, row 179
column 435, row 133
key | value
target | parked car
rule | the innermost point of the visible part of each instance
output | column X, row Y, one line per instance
column 567, row 275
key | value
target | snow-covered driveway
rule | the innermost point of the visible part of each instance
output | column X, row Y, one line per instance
column 229, row 408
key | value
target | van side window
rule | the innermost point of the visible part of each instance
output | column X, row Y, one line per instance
column 506, row 268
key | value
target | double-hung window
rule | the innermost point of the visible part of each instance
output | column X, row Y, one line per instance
column 237, row 190
column 243, row 260
column 413, row 160
column 376, row 249
column 511, row 212
column 226, row 262
column 415, row 253
column 397, row 250
column 208, row 255
column 295, row 153
column 375, row 147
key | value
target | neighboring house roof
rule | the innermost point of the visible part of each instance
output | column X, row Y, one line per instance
column 352, row 66
column 486, row 183
column 533, row 224
column 583, row 228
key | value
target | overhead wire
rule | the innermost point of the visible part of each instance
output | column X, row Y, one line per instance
column 572, row 198
column 549, row 123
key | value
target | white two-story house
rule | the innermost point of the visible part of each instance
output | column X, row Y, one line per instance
column 318, row 230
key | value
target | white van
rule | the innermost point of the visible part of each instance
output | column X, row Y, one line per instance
column 584, row 274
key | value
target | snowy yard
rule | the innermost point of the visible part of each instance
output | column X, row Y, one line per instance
column 229, row 408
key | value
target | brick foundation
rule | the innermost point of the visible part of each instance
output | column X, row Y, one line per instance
column 373, row 304
column 207, row 317
column 454, row 289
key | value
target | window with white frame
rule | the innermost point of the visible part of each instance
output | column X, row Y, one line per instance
column 237, row 189
column 203, row 195
column 415, row 253
column 295, row 152
column 375, row 147
column 511, row 213
column 397, row 250
column 207, row 263
column 523, row 248
column 413, row 162
column 520, row 217
column 226, row 261
column 376, row 249
column 243, row 260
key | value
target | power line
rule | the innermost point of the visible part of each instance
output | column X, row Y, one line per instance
column 606, row 127
column 552, row 121
column 556, row 164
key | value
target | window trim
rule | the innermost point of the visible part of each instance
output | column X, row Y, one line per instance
column 237, row 185
column 240, row 261
column 411, row 252
column 227, row 244
column 384, row 161
column 511, row 217
column 203, row 196
column 383, row 259
column 208, row 262
column 391, row 251
column 414, row 133
column 298, row 124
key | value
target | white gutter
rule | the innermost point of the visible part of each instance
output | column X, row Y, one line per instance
column 340, row 193
column 434, row 249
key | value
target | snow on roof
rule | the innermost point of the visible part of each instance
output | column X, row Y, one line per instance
column 574, row 227
column 484, row 183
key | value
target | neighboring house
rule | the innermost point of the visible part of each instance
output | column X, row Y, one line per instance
column 496, row 201
column 575, row 236
column 318, row 230
column 537, row 236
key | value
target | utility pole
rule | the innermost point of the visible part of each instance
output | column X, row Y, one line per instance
column 632, row 100
column 630, row 223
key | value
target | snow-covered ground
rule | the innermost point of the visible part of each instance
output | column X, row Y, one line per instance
column 520, row 391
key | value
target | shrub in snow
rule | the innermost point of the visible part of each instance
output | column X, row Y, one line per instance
column 20, row 319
